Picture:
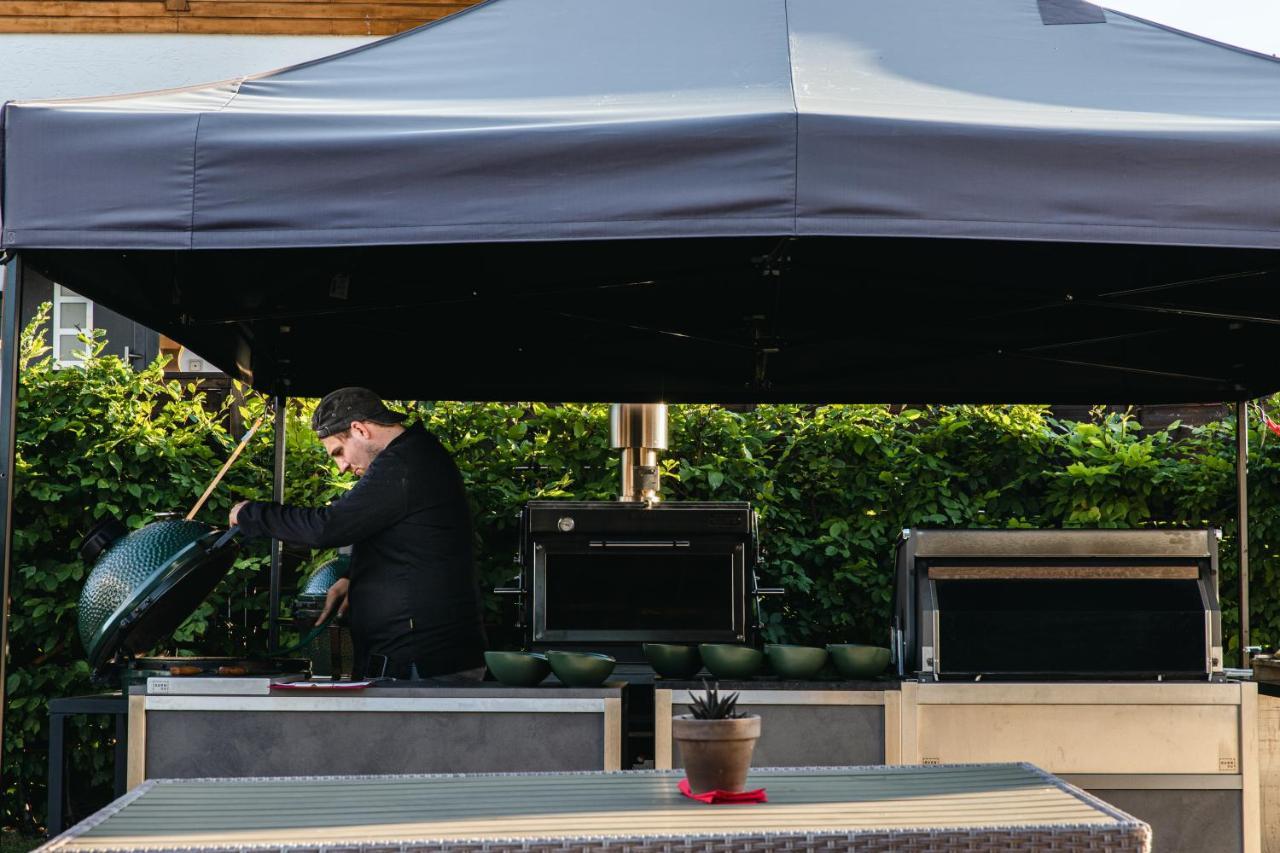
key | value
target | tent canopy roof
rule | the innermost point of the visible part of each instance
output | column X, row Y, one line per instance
column 522, row 120
column 727, row 199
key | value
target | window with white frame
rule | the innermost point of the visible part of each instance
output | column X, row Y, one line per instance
column 72, row 317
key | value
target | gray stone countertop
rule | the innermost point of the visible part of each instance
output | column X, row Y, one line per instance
column 775, row 684
column 428, row 690
column 493, row 690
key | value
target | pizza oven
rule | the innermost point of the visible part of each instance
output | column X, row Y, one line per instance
column 610, row 575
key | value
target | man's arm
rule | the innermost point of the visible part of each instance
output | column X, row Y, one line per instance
column 377, row 501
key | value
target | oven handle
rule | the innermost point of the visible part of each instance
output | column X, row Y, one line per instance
column 614, row 543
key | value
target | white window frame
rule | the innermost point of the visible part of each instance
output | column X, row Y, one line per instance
column 63, row 296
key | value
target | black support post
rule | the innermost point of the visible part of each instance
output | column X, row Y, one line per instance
column 277, row 495
column 1242, row 507
column 10, row 344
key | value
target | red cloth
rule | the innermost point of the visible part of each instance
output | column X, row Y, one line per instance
column 717, row 797
column 1271, row 425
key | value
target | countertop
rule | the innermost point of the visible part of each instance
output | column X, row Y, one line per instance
column 426, row 690
column 775, row 684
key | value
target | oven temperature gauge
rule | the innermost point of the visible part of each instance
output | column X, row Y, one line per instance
column 565, row 524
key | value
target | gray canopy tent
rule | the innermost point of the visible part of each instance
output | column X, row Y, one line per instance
column 728, row 200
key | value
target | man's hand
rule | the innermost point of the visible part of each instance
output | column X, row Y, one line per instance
column 335, row 597
column 235, row 513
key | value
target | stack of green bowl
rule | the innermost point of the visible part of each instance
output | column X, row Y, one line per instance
column 518, row 669
column 798, row 663
column 581, row 669
column 671, row 660
column 730, row 662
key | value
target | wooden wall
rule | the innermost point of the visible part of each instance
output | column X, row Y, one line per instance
column 243, row 17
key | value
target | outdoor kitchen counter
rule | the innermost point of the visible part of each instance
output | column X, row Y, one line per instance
column 803, row 723
column 1180, row 755
column 484, row 727
column 1269, row 763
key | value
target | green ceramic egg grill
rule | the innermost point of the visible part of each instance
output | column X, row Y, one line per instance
column 312, row 596
column 144, row 583
column 330, row 652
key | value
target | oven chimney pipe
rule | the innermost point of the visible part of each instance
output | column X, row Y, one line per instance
column 639, row 430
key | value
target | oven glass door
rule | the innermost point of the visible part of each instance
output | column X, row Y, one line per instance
column 638, row 591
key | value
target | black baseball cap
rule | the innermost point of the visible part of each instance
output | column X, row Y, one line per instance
column 340, row 408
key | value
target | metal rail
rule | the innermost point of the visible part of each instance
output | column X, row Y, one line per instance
column 10, row 345
column 277, row 495
column 1242, row 507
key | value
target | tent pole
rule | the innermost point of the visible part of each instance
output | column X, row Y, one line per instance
column 277, row 495
column 10, row 344
column 1242, row 508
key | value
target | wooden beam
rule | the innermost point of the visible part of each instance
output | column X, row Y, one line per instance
column 137, row 749
column 236, row 17
column 612, row 734
column 84, row 25
column 662, row 745
column 90, row 9
column 308, row 11
column 293, row 27
column 1251, row 794
column 892, row 727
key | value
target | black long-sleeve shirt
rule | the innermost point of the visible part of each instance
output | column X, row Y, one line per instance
column 414, row 594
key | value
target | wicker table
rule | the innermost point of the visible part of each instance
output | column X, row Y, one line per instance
column 977, row 807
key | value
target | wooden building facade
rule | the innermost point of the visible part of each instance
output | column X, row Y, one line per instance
column 226, row 17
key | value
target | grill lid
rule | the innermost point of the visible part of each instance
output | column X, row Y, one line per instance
column 310, row 600
column 145, row 583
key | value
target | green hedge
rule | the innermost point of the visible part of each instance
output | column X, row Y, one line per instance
column 833, row 485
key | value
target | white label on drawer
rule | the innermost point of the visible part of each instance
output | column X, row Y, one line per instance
column 1228, row 765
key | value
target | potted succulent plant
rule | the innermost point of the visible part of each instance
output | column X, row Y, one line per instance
column 716, row 741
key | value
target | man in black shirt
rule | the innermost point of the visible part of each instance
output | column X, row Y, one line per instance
column 412, row 592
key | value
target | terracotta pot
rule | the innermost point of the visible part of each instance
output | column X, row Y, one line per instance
column 716, row 753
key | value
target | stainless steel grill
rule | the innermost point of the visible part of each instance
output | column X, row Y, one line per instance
column 1058, row 603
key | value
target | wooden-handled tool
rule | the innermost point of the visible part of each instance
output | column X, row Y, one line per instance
column 225, row 465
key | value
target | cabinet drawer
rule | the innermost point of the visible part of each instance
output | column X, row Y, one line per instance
column 1084, row 738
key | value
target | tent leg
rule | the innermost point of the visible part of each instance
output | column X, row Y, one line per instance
column 1242, row 508
column 277, row 495
column 10, row 344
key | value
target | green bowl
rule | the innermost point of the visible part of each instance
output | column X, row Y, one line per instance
column 797, row 662
column 857, row 661
column 517, row 669
column 732, row 663
column 673, row 661
column 581, row 669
